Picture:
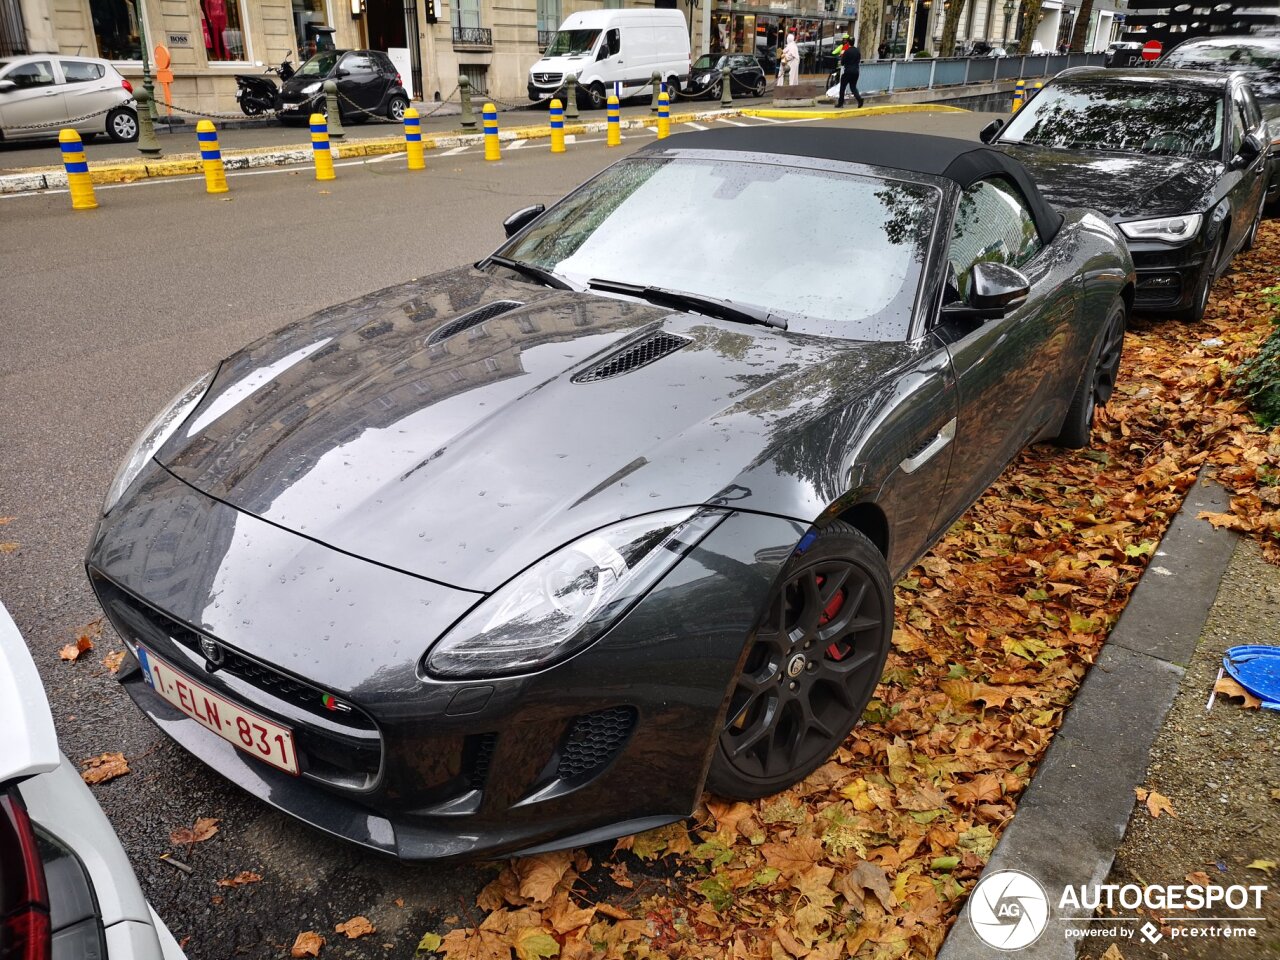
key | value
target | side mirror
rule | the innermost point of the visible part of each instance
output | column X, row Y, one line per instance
column 340, row 73
column 7, row 85
column 1250, row 149
column 988, row 133
column 522, row 218
column 994, row 289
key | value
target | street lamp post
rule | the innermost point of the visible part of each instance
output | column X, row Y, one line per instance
column 1009, row 7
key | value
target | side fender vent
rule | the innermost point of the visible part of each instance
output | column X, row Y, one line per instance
column 639, row 354
column 593, row 740
column 469, row 320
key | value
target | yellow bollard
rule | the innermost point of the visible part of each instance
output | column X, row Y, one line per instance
column 1019, row 91
column 320, row 147
column 77, row 168
column 491, row 149
column 215, row 174
column 614, row 138
column 413, row 140
column 557, row 126
column 664, row 116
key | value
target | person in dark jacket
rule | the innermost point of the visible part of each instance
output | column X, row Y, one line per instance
column 850, row 62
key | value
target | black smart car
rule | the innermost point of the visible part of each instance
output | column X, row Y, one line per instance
column 746, row 77
column 1175, row 157
column 368, row 85
column 520, row 555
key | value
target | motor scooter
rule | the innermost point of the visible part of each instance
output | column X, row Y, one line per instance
column 258, row 93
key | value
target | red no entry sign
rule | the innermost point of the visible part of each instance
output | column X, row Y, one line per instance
column 1151, row 50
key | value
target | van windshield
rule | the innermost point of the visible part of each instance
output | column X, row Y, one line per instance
column 569, row 42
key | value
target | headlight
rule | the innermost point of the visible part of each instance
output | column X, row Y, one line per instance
column 569, row 598
column 153, row 437
column 1168, row 229
column 311, row 88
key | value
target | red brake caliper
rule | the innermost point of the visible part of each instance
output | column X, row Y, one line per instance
column 835, row 651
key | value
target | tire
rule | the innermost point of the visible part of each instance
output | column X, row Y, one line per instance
column 250, row 107
column 759, row 88
column 789, row 710
column 396, row 107
column 122, row 125
column 1208, row 274
column 1097, row 381
column 713, row 91
column 673, row 89
column 597, row 97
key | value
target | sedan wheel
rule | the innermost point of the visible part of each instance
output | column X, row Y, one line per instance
column 122, row 124
column 1097, row 382
column 811, row 669
column 759, row 90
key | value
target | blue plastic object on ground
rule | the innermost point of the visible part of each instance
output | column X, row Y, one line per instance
column 1256, row 667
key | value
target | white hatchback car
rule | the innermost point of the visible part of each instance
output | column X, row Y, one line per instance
column 67, row 891
column 41, row 92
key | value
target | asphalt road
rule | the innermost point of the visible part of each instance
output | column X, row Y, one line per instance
column 105, row 316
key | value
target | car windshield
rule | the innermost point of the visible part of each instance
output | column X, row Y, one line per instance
column 569, row 42
column 321, row 65
column 1127, row 116
column 849, row 267
column 1235, row 56
column 706, row 62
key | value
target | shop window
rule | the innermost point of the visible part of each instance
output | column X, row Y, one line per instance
column 115, row 25
column 222, row 23
column 311, row 27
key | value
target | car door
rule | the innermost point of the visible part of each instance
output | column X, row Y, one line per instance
column 35, row 98
column 85, row 92
column 1248, row 191
column 358, row 82
column 1010, row 371
column 614, row 64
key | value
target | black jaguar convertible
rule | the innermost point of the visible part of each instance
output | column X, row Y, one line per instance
column 528, row 553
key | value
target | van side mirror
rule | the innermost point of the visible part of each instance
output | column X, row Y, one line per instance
column 989, row 132
column 522, row 218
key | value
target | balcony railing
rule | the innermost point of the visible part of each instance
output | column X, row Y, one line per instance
column 473, row 37
column 544, row 38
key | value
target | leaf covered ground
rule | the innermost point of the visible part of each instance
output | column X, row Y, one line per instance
column 873, row 855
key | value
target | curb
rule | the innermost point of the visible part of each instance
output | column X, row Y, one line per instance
column 1073, row 816
column 130, row 171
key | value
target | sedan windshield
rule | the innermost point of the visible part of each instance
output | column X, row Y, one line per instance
column 849, row 266
column 1126, row 116
column 318, row 66
column 569, row 42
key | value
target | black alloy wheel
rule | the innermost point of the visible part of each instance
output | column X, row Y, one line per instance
column 1097, row 382
column 811, row 669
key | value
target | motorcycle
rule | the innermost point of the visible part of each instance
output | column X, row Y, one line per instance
column 257, row 93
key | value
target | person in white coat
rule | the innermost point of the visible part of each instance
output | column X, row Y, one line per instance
column 791, row 60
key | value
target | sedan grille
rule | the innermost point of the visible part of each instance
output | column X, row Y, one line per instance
column 639, row 354
column 593, row 740
column 468, row 320
column 547, row 77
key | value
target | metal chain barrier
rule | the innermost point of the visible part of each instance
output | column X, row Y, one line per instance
column 210, row 114
column 57, row 124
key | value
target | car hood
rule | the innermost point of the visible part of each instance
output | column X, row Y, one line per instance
column 398, row 430
column 1123, row 186
column 31, row 743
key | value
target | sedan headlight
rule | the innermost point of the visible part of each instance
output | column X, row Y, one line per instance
column 1168, row 229
column 153, row 437
column 569, row 598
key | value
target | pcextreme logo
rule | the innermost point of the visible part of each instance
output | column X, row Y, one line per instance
column 1008, row 910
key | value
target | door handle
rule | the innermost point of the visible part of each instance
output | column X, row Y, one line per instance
column 944, row 436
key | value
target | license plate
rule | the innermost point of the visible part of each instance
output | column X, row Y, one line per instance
column 289, row 106
column 251, row 733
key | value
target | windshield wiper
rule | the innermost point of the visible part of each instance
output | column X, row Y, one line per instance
column 682, row 300
column 545, row 277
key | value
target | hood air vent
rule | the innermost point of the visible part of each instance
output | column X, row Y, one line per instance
column 637, row 355
column 469, row 320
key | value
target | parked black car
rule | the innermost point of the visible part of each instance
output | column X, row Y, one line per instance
column 1175, row 157
column 519, row 555
column 368, row 84
column 745, row 75
column 1258, row 59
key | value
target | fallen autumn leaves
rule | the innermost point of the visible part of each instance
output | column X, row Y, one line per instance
column 873, row 854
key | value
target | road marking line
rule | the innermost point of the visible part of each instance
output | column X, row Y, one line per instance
column 454, row 151
column 733, row 123
column 696, row 126
column 767, row 119
column 570, row 138
column 516, row 144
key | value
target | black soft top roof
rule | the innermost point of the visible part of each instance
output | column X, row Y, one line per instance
column 961, row 161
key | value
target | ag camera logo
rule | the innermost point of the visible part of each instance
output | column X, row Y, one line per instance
column 1008, row 910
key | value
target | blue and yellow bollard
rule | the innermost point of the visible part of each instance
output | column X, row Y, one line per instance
column 320, row 147
column 664, row 116
column 215, row 174
column 77, row 167
column 413, row 140
column 492, row 151
column 1019, row 93
column 614, row 137
column 557, row 126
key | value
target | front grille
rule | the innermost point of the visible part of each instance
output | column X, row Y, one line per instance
column 468, row 320
column 547, row 77
column 637, row 355
column 593, row 740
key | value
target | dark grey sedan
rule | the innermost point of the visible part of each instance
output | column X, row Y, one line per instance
column 525, row 554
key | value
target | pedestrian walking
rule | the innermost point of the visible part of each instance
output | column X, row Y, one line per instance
column 850, row 64
column 791, row 59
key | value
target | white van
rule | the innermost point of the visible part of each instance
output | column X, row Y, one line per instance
column 604, row 47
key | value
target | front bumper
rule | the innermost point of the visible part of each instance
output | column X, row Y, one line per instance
column 615, row 740
column 301, row 109
column 1168, row 276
